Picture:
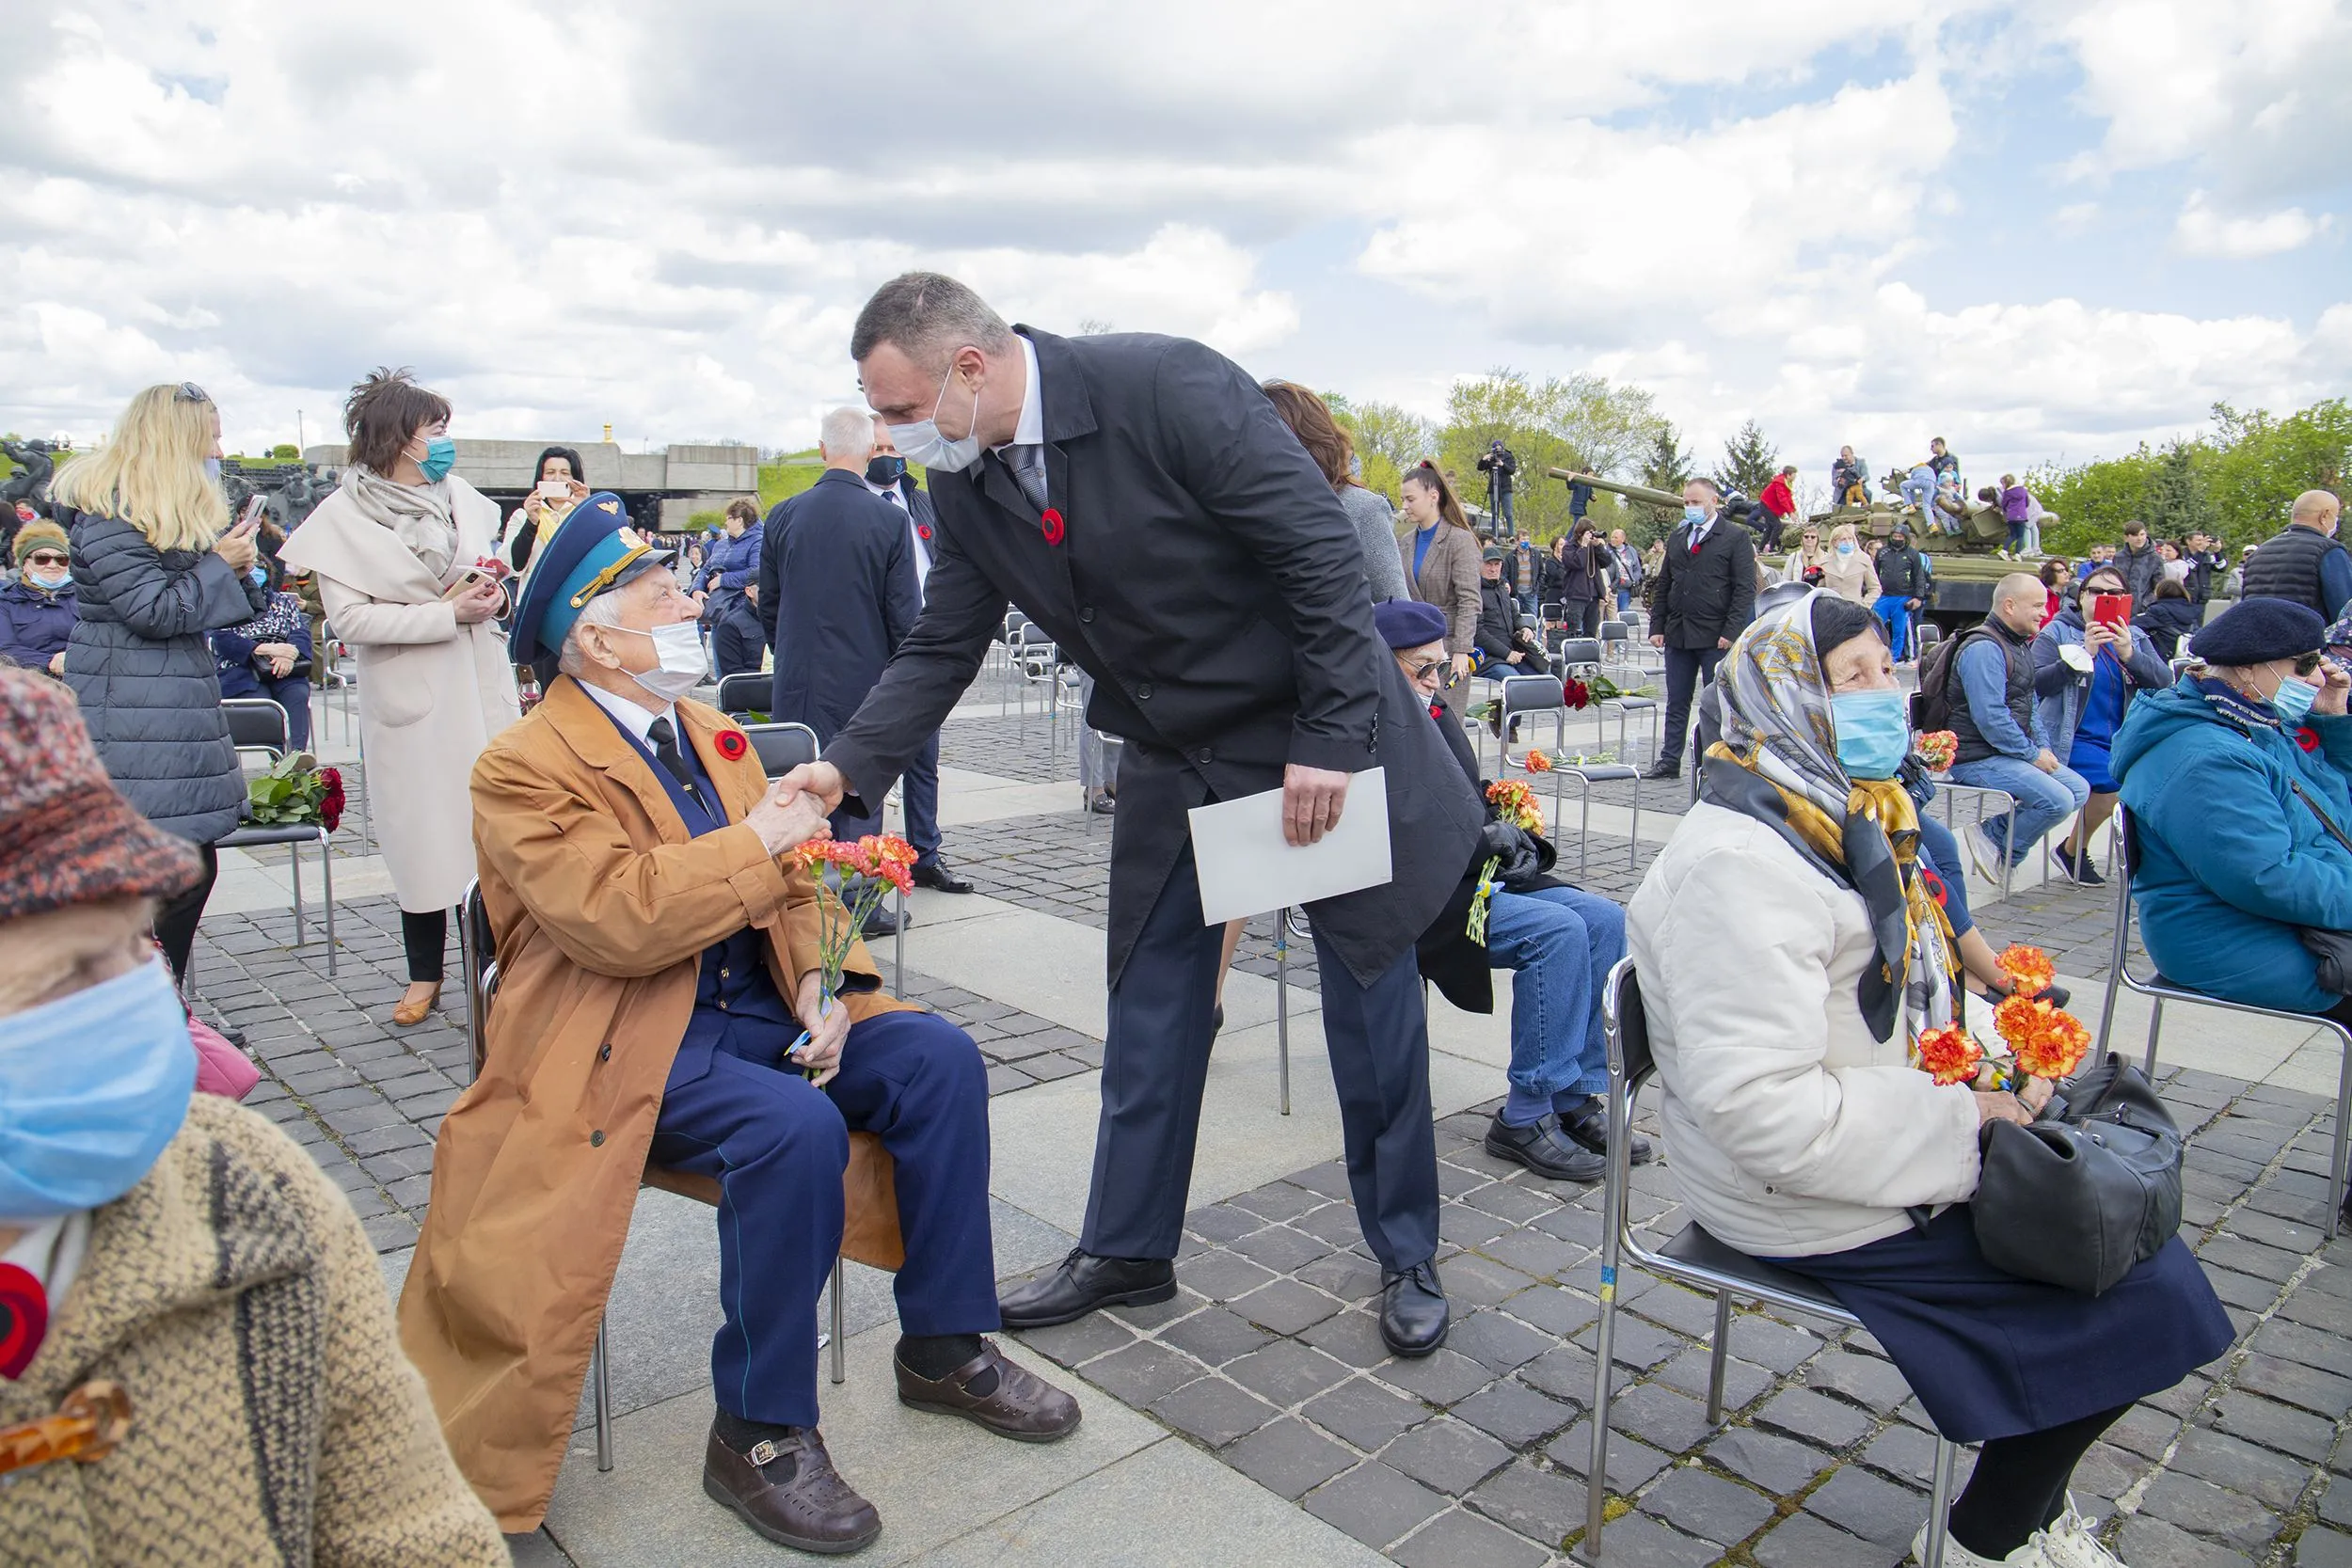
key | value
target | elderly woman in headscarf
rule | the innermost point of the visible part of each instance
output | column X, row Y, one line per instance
column 1792, row 953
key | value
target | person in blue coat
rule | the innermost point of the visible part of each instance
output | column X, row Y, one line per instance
column 729, row 592
column 2226, row 777
column 270, row 657
column 37, row 611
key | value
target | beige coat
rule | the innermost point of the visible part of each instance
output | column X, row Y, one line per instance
column 234, row 1297
column 1449, row 580
column 602, row 904
column 432, row 692
column 1855, row 579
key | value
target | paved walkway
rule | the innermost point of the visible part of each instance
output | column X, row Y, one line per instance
column 1255, row 1419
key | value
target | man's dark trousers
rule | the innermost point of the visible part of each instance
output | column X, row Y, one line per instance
column 736, row 639
column 1685, row 668
column 919, row 793
column 1156, row 1061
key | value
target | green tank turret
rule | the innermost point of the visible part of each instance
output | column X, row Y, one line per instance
column 1963, row 553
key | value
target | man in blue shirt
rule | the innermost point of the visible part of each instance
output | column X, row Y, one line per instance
column 2001, row 745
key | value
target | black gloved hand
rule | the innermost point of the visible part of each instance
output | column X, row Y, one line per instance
column 1512, row 849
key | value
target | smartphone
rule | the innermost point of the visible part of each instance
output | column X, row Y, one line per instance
column 555, row 489
column 467, row 581
column 251, row 518
column 2113, row 609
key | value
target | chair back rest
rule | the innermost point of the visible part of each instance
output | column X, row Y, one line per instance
column 1014, row 621
column 749, row 692
column 1631, row 1062
column 1580, row 650
column 1031, row 635
column 478, row 948
column 783, row 747
column 1614, row 631
column 1532, row 695
column 1929, row 635
column 256, row 724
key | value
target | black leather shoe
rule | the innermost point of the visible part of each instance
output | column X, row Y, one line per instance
column 1413, row 1314
column 787, row 1490
column 933, row 874
column 1102, row 806
column 882, row 922
column 1588, row 1124
column 1664, row 768
column 1544, row 1149
column 1084, row 1283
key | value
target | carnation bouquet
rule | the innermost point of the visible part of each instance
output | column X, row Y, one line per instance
column 859, row 874
column 1938, row 749
column 2045, row 1041
column 1515, row 803
column 295, row 790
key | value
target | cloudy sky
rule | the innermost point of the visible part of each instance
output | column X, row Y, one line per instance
column 2042, row 230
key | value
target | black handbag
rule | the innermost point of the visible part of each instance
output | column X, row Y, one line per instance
column 2090, row 1189
column 2333, row 949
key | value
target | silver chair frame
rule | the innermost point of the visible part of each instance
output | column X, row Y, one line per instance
column 252, row 838
column 1948, row 789
column 1778, row 1287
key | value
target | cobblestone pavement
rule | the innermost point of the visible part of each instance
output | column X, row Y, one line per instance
column 365, row 1099
column 1269, row 1358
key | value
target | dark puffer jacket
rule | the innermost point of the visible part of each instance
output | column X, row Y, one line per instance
column 140, row 667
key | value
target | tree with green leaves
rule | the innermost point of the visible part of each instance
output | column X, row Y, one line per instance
column 2235, row 482
column 1582, row 423
column 1389, row 439
column 1749, row 462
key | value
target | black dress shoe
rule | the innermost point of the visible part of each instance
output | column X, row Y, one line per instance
column 1588, row 1124
column 1413, row 1314
column 1544, row 1149
column 1102, row 806
column 1664, row 768
column 787, row 1490
column 1084, row 1283
column 933, row 874
column 882, row 922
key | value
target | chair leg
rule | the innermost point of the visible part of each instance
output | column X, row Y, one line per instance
column 2340, row 1164
column 1633, row 841
column 294, row 859
column 840, row 1338
column 1282, row 1005
column 898, row 949
column 2156, row 1024
column 600, row 1378
column 1605, row 1339
column 1940, row 1501
column 1723, row 1354
column 327, row 875
column 1583, row 825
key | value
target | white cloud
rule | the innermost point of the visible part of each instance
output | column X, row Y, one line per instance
column 2203, row 232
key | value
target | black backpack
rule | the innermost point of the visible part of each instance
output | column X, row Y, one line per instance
column 1932, row 708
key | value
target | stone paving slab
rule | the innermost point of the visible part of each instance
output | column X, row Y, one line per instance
column 1269, row 1359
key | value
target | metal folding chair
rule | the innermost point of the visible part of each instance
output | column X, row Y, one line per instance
column 748, row 692
column 259, row 727
column 1288, row 924
column 1948, row 792
column 1690, row 1258
column 2158, row 991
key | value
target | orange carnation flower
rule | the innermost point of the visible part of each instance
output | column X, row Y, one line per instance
column 2028, row 969
column 1537, row 762
column 2056, row 1049
column 2019, row 1019
column 1937, row 748
column 1516, row 804
column 1948, row 1055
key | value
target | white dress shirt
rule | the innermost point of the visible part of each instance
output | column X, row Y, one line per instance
column 636, row 718
column 1029, row 430
column 897, row 498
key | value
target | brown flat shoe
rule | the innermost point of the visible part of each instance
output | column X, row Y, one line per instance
column 787, row 1490
column 1019, row 1404
column 410, row 1012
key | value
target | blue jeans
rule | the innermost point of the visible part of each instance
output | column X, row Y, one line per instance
column 1894, row 613
column 1625, row 600
column 1941, row 850
column 1560, row 943
column 2044, row 799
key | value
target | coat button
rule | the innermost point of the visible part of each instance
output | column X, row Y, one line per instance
column 604, row 1051
column 1143, row 692
column 596, row 1139
column 1205, row 757
column 1087, row 614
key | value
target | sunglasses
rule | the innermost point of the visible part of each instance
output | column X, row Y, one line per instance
column 2307, row 664
column 46, row 558
column 1427, row 669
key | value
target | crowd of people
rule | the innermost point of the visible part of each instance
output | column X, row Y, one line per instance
column 675, row 998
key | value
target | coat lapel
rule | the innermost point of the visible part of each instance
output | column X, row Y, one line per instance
column 739, row 785
column 592, row 736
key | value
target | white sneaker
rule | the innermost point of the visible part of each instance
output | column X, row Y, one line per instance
column 1983, row 853
column 2069, row 1544
column 1957, row 1556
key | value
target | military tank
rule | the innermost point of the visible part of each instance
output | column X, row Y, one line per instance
column 1962, row 554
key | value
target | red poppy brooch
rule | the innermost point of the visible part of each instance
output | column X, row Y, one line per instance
column 1053, row 526
column 2308, row 738
column 922, row 532
column 731, row 744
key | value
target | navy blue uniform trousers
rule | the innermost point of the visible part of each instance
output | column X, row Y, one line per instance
column 736, row 1109
column 1156, row 1063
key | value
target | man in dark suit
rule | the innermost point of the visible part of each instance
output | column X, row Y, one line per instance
column 1137, row 497
column 1703, row 595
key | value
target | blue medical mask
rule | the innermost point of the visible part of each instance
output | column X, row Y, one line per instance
column 2293, row 701
column 1873, row 731
column 92, row 1086
column 1845, row 546
column 921, row 441
column 440, row 456
column 1694, row 515
column 211, row 469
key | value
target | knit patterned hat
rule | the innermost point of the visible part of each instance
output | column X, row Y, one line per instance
column 66, row 837
column 34, row 536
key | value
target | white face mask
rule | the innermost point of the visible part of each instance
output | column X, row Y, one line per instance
column 921, row 443
column 682, row 667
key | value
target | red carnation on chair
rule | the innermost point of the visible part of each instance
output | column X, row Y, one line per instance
column 732, row 744
column 330, row 797
column 1575, row 692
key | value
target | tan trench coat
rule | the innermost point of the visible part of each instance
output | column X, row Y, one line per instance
column 601, row 904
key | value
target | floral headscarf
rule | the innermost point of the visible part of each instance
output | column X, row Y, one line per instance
column 1777, row 725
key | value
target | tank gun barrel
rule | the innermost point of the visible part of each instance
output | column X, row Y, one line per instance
column 1630, row 492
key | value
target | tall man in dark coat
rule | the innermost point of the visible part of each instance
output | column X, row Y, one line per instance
column 1703, row 595
column 1137, row 497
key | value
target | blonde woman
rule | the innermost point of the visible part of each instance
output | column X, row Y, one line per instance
column 156, row 565
column 394, row 550
column 1846, row 570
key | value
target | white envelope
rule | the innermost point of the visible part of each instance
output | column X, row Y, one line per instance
column 1246, row 867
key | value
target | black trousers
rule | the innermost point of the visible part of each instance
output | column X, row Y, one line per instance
column 425, row 938
column 735, row 641
column 177, row 916
column 1685, row 668
column 1156, row 1060
column 1580, row 618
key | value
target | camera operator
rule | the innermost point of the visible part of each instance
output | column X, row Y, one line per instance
column 1497, row 465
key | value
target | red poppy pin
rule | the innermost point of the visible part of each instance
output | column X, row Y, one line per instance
column 922, row 532
column 2308, row 738
column 731, row 744
column 23, row 1319
column 1053, row 526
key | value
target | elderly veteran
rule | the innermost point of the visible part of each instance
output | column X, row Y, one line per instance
column 660, row 960
column 177, row 1246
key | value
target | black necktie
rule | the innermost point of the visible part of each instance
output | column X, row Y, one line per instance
column 665, row 751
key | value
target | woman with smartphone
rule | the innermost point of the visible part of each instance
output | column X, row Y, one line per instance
column 2089, row 662
column 405, row 554
column 556, row 489
column 157, row 564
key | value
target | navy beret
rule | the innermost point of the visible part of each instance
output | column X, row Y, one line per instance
column 1408, row 623
column 2255, row 631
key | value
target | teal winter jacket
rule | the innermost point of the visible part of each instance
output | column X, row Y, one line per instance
column 2231, row 860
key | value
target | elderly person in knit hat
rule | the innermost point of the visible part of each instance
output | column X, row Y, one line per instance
column 175, row 1246
column 2238, row 780
column 1558, row 941
column 37, row 611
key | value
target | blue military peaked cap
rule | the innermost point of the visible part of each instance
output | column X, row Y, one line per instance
column 592, row 551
